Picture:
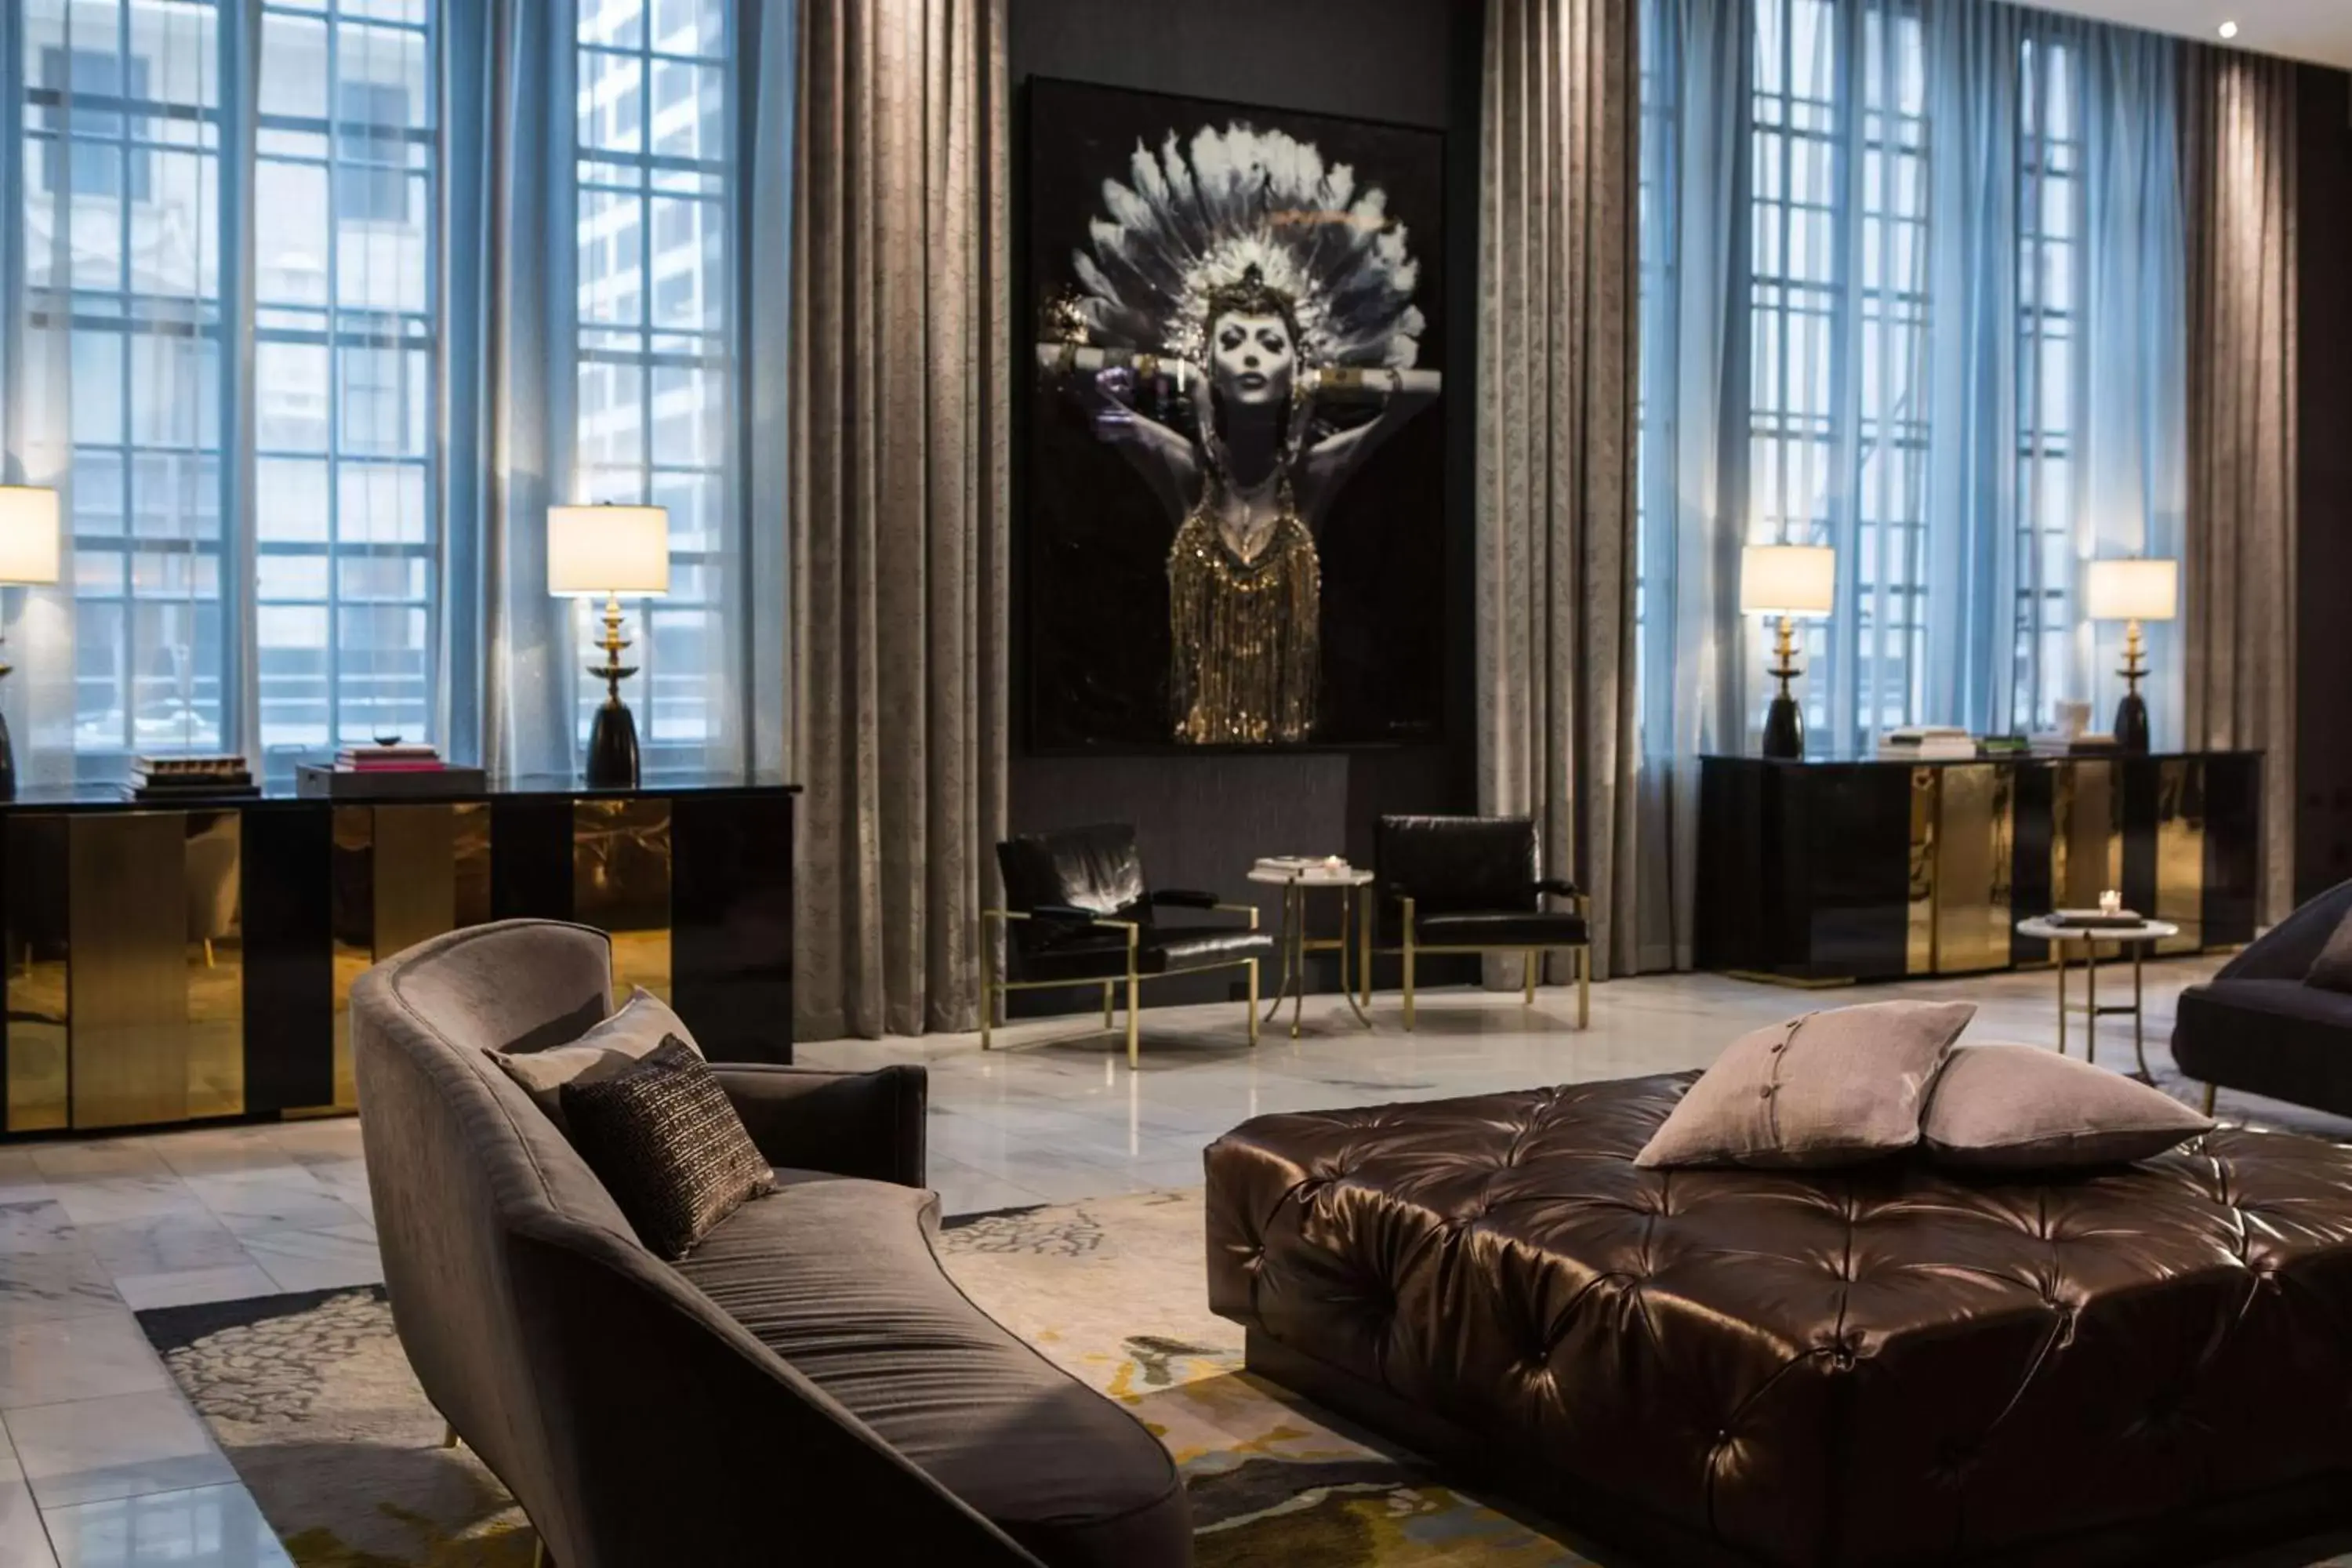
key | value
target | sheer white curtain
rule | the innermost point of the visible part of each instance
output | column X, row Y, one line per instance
column 1911, row 288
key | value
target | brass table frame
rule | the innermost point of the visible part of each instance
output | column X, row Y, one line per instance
column 1296, row 944
column 2138, row 940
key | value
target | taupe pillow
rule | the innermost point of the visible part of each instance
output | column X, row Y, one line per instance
column 632, row 1034
column 668, row 1144
column 2332, row 970
column 1828, row 1088
column 2023, row 1108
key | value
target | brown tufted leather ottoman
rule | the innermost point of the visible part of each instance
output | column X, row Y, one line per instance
column 1884, row 1365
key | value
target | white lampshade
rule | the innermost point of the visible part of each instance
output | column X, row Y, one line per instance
column 2132, row 590
column 28, row 534
column 601, row 549
column 1788, row 579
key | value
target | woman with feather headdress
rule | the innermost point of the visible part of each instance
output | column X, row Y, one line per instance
column 1259, row 280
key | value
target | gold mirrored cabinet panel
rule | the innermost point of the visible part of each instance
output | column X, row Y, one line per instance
column 1975, row 838
column 621, row 884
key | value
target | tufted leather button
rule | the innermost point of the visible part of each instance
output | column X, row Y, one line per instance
column 1765, row 1093
column 1779, row 1045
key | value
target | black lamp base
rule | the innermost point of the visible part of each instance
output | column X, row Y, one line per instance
column 612, row 747
column 1784, row 731
column 2131, row 724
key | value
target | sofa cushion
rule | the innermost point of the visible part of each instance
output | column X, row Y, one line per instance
column 668, row 1144
column 837, row 1275
column 2332, row 970
column 632, row 1034
column 1829, row 1089
column 2022, row 1108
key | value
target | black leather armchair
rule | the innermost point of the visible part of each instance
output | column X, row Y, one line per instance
column 1474, row 884
column 2258, row 1026
column 1078, row 913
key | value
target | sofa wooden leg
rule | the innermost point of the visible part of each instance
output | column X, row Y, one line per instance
column 2210, row 1091
column 448, row 1436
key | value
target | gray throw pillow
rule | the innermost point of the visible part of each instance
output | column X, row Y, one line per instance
column 632, row 1034
column 2332, row 970
column 2023, row 1108
column 1828, row 1088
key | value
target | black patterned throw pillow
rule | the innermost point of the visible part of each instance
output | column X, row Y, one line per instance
column 668, row 1144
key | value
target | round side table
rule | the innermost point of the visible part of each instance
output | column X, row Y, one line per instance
column 2133, row 938
column 1297, row 945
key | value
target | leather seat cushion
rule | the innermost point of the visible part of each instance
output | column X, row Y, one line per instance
column 1500, row 928
column 1161, row 950
column 837, row 1275
column 1883, row 1364
column 2278, row 1037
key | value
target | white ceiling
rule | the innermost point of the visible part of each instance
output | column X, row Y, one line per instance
column 2301, row 29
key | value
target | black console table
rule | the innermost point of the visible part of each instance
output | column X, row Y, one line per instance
column 191, row 961
column 1834, row 871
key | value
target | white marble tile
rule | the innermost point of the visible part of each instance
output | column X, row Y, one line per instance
column 207, row 1527
column 105, row 1200
column 963, row 1190
column 261, row 1201
column 165, row 1244
column 36, row 1225
column 99, row 1157
column 77, row 1358
column 216, row 1150
column 38, row 1286
column 344, row 1179
column 322, row 1259
column 325, row 1139
column 190, row 1286
column 124, row 1446
column 24, row 1541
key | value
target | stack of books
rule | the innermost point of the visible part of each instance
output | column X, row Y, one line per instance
column 394, row 758
column 190, row 778
column 1928, row 742
column 388, row 771
column 2055, row 743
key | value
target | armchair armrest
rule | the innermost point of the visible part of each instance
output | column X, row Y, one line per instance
column 847, row 1123
column 1183, row 899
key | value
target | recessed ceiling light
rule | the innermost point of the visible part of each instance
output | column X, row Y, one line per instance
column 2229, row 30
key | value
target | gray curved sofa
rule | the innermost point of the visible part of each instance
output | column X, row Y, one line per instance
column 806, row 1386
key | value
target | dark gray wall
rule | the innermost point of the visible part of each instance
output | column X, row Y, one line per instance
column 2324, row 547
column 1203, row 819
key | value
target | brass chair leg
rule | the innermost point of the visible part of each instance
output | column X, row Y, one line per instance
column 1530, row 961
column 539, row 1554
column 987, row 1002
column 1253, row 1002
column 1107, row 1007
column 2210, row 1090
column 448, row 1436
column 1408, row 983
column 1584, row 987
column 1134, row 1020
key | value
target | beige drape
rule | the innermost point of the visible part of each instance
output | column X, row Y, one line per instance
column 2239, row 617
column 1558, row 254
column 898, row 503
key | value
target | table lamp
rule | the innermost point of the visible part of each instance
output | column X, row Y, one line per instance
column 28, row 553
column 2132, row 592
column 1787, row 581
column 608, row 550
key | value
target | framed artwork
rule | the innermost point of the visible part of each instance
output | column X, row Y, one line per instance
column 1233, row 487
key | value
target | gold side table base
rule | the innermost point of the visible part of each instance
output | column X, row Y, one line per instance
column 1297, row 945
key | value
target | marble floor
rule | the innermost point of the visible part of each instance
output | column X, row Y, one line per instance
column 103, row 1465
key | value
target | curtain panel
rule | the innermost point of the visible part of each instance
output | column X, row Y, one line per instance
column 898, row 400
column 1913, row 289
column 2239, row 619
column 1557, row 362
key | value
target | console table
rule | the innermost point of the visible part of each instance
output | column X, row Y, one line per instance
column 1822, row 871
column 191, row 961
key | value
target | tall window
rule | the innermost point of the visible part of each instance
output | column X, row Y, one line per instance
column 123, row 260
column 2049, row 222
column 346, row 361
column 656, row 356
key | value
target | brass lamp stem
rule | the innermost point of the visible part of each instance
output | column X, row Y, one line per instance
column 613, row 671
column 1784, row 655
column 2135, row 664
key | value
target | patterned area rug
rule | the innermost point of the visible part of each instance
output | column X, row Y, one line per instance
column 312, row 1402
